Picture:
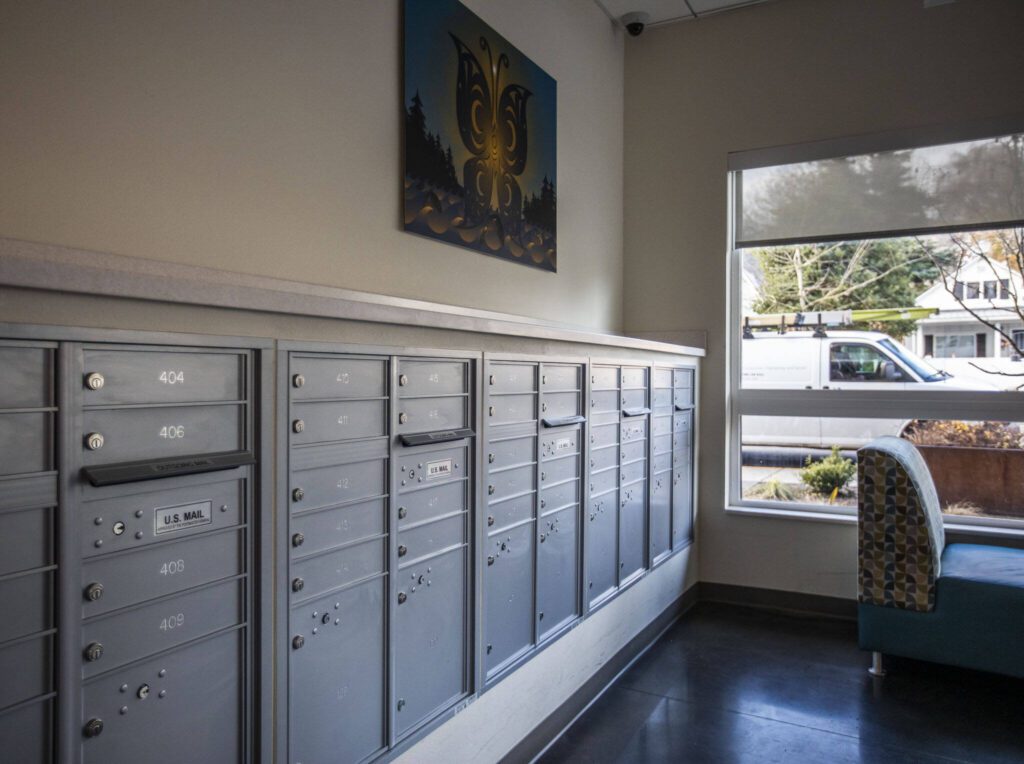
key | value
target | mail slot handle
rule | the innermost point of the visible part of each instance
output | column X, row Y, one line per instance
column 683, row 408
column 440, row 436
column 562, row 421
column 133, row 472
column 635, row 412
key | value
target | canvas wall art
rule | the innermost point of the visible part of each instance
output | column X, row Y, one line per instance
column 479, row 138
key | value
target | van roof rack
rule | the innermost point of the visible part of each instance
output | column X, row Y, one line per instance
column 821, row 320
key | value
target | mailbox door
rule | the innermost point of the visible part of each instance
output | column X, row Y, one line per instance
column 557, row 571
column 602, row 546
column 508, row 595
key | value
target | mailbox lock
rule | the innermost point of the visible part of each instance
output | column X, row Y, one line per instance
column 402, row 597
column 297, row 584
column 490, row 559
column 490, row 520
column 143, row 692
column 490, row 490
column 403, row 418
column 298, row 641
column 325, row 619
column 93, row 727
column 297, row 494
column 94, row 441
column 297, row 539
column 93, row 651
column 490, row 411
column 298, row 380
column 402, row 549
column 93, row 591
column 298, row 425
column 401, row 703
column 95, row 381
column 118, row 528
column 402, row 512
column 490, row 380
column 403, row 380
column 490, row 458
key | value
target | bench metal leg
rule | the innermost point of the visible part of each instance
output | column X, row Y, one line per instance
column 877, row 669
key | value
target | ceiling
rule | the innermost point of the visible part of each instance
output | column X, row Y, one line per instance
column 669, row 11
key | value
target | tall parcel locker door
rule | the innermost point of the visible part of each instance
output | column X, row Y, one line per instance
column 164, row 439
column 431, row 587
column 602, row 531
column 636, row 415
column 661, row 465
column 682, row 457
column 561, row 457
column 28, row 547
column 337, row 504
column 510, row 417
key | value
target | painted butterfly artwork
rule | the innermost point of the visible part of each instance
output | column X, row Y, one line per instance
column 480, row 138
column 494, row 130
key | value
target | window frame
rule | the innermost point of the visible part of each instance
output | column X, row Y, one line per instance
column 913, row 402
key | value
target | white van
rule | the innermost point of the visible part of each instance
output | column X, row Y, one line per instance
column 838, row 360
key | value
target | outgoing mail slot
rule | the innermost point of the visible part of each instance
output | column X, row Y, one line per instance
column 424, row 468
column 558, row 496
column 634, row 399
column 634, row 429
column 560, row 404
column 663, row 444
column 327, row 486
column 145, row 376
column 430, row 414
column 510, row 512
column 662, row 425
column 152, row 433
column 27, row 375
column 605, row 480
column 633, row 471
column 683, row 378
column 430, row 538
column 337, row 420
column 603, row 458
column 512, row 378
column 630, row 452
column 604, row 435
column 27, row 669
column 662, row 378
column 185, row 506
column 418, row 506
column 432, row 377
column 26, row 443
column 501, row 485
column 604, row 378
column 662, row 398
column 323, row 529
column 325, row 377
column 662, row 463
column 558, row 470
column 511, row 452
column 192, row 713
column 559, row 444
column 26, row 540
column 135, row 633
column 28, row 603
column 320, row 573
column 560, row 377
column 507, row 409
column 160, row 569
column 604, row 401
column 633, row 377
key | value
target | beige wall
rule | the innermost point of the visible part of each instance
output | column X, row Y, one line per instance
column 264, row 137
column 791, row 71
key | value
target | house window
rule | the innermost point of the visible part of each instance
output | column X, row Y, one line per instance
column 830, row 252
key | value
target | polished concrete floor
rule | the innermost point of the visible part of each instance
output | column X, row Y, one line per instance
column 731, row 684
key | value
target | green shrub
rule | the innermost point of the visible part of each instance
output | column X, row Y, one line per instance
column 830, row 475
column 775, row 490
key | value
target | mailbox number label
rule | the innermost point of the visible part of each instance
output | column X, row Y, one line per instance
column 172, row 567
column 172, row 377
column 439, row 469
column 173, row 431
column 170, row 519
column 175, row 621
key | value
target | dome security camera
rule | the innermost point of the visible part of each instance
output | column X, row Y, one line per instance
column 635, row 22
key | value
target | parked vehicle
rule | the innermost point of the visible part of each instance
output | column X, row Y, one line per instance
column 836, row 360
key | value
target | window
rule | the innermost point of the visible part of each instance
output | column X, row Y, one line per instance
column 848, row 268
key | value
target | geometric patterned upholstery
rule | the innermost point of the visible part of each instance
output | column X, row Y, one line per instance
column 899, row 523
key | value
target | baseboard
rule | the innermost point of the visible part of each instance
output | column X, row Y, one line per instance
column 549, row 730
column 773, row 599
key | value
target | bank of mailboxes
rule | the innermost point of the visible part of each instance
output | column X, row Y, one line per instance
column 534, row 430
column 129, row 542
column 380, row 485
